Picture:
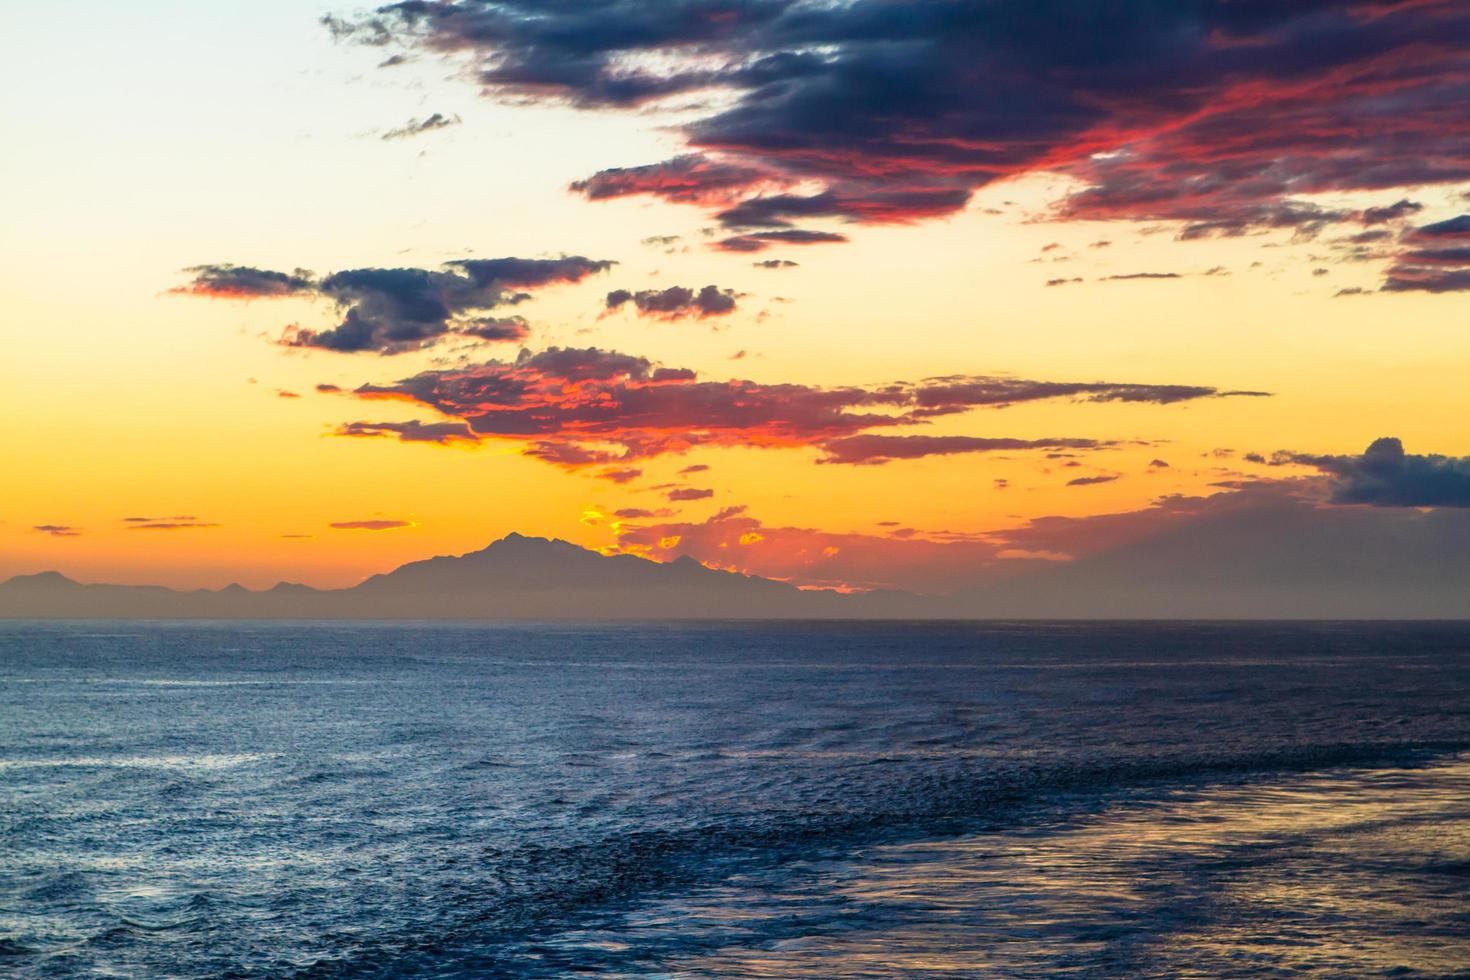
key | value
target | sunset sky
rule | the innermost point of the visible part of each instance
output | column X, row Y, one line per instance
column 849, row 294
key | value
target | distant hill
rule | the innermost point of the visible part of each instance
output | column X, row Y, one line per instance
column 1286, row 560
column 516, row 577
column 1283, row 561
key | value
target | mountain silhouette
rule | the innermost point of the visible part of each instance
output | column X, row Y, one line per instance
column 1286, row 561
column 517, row 577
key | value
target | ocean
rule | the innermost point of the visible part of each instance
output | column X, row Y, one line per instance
column 734, row 800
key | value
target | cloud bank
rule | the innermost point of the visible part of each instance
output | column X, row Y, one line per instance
column 1220, row 115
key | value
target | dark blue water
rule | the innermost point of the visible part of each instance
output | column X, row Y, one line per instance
column 755, row 801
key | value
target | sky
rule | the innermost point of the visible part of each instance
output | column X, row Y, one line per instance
column 854, row 295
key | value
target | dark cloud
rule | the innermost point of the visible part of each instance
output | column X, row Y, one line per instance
column 417, row 127
column 1385, row 476
column 579, row 407
column 676, row 302
column 1456, row 228
column 496, row 329
column 696, row 468
column 689, row 493
column 1436, row 260
column 1063, row 282
column 58, row 530
column 942, row 395
column 1397, row 211
column 620, row 476
column 872, row 450
column 244, row 282
column 1142, row 275
column 1157, row 464
column 1088, row 481
column 440, row 433
column 760, row 241
column 774, row 264
column 393, row 310
column 879, row 207
column 390, row 311
column 1216, row 114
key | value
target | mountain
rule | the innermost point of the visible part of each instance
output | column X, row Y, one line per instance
column 1282, row 559
column 516, row 577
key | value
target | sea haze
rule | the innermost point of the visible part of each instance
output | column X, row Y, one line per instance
column 734, row 800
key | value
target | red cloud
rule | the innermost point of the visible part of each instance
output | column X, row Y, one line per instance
column 690, row 179
column 735, row 541
column 586, row 407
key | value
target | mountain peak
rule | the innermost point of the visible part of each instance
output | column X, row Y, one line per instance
column 47, row 580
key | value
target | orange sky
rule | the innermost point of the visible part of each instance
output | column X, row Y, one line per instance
column 245, row 135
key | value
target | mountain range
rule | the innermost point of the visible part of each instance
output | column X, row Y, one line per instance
column 1344, row 564
column 516, row 577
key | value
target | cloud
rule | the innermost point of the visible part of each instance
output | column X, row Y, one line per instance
column 1437, row 259
column 945, row 562
column 244, row 282
column 58, row 530
column 175, row 524
column 1200, row 554
column 696, row 468
column 760, row 241
column 390, row 311
column 373, row 525
column 440, row 433
column 1089, row 481
column 1452, row 229
column 620, row 476
column 578, row 407
column 774, row 264
column 637, row 513
column 496, row 329
column 689, row 493
column 872, row 450
column 1385, row 476
column 417, row 127
column 1218, row 115
column 689, row 179
column 1397, row 211
column 676, row 302
column 1141, row 275
column 734, row 540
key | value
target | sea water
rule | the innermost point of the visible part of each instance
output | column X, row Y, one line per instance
column 734, row 800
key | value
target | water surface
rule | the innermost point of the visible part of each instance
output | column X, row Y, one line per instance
column 784, row 800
